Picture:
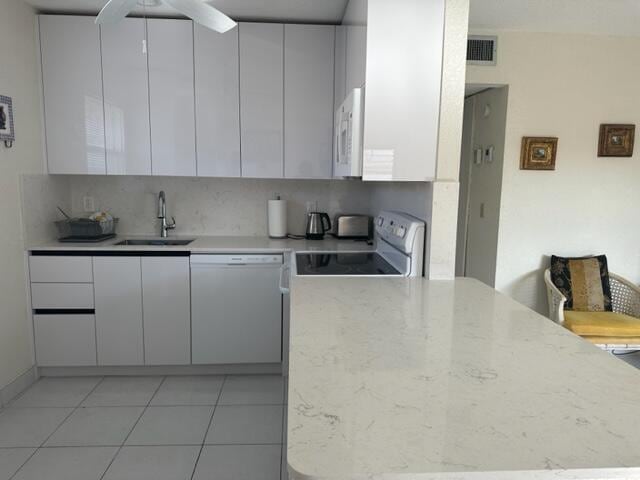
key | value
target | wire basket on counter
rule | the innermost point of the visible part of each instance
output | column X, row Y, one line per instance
column 85, row 228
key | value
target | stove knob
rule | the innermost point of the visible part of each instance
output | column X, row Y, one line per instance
column 380, row 221
column 401, row 232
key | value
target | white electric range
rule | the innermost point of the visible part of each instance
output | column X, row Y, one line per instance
column 399, row 251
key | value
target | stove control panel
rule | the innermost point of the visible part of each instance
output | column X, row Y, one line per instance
column 399, row 230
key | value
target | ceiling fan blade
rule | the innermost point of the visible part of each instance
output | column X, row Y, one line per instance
column 203, row 13
column 114, row 11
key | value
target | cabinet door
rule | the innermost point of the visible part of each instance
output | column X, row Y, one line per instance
column 65, row 340
column 126, row 98
column 394, row 113
column 72, row 83
column 167, row 310
column 340, row 61
column 261, row 99
column 118, row 304
column 217, row 102
column 356, row 57
column 171, row 93
column 308, row 100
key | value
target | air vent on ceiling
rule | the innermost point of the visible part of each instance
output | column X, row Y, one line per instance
column 482, row 50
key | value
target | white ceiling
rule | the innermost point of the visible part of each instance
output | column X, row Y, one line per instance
column 318, row 11
column 599, row 17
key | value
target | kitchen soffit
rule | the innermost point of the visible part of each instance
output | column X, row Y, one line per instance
column 307, row 11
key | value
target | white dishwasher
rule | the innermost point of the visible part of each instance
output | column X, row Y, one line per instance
column 236, row 309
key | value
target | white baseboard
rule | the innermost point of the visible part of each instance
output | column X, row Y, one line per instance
column 248, row 369
column 19, row 385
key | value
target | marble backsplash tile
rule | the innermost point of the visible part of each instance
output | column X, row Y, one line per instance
column 41, row 195
column 214, row 206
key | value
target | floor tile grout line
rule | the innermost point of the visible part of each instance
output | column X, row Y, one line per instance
column 144, row 409
column 73, row 409
column 206, row 432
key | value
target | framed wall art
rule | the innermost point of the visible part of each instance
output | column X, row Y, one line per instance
column 538, row 153
column 7, row 133
column 616, row 140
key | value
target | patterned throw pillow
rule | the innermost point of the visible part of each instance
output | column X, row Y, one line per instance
column 584, row 281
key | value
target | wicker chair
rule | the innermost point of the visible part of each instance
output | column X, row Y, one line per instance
column 625, row 298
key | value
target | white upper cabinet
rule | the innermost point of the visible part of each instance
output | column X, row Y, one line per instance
column 340, row 62
column 126, row 98
column 217, row 102
column 72, row 78
column 356, row 44
column 171, row 93
column 402, row 98
column 308, row 100
column 261, row 99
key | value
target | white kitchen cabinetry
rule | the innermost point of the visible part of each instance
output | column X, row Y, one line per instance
column 340, row 62
column 126, row 98
column 356, row 46
column 72, row 85
column 60, row 269
column 261, row 99
column 402, row 98
column 217, row 96
column 65, row 340
column 167, row 310
column 118, row 307
column 171, row 93
column 308, row 100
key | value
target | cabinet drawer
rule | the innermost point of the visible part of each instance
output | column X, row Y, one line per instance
column 60, row 269
column 65, row 340
column 62, row 295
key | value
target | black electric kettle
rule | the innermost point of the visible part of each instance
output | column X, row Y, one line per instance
column 316, row 225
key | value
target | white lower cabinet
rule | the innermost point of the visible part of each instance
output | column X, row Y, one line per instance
column 167, row 310
column 118, row 305
column 65, row 340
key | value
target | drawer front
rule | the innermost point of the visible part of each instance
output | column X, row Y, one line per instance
column 62, row 295
column 65, row 340
column 61, row 269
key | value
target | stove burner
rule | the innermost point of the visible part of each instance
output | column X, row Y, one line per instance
column 369, row 263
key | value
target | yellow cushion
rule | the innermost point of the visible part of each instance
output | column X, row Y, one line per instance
column 613, row 340
column 602, row 324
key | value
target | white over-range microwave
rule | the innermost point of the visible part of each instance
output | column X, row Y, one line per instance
column 349, row 132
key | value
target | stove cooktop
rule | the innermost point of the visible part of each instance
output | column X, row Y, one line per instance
column 366, row 263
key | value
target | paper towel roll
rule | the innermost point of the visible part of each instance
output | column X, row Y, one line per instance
column 277, row 211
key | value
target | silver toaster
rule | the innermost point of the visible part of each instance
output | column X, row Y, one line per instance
column 353, row 226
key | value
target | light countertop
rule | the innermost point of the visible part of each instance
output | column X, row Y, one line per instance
column 214, row 244
column 417, row 379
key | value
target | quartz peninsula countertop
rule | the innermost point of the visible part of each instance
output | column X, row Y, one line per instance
column 212, row 244
column 418, row 379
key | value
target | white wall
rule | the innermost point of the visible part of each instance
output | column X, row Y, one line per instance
column 566, row 86
column 19, row 80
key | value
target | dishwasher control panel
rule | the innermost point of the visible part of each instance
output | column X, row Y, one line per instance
column 239, row 259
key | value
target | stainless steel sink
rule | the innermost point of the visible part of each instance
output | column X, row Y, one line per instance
column 155, row 242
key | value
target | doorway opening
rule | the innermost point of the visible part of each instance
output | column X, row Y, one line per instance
column 481, row 162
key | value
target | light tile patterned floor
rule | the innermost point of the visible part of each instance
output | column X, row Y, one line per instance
column 139, row 428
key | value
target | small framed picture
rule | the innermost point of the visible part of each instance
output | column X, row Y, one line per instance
column 7, row 133
column 538, row 153
column 616, row 140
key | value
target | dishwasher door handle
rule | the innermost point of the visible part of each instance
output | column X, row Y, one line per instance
column 284, row 279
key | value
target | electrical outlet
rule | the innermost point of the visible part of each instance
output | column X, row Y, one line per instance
column 88, row 204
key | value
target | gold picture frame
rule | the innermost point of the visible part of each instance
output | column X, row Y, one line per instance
column 616, row 140
column 538, row 153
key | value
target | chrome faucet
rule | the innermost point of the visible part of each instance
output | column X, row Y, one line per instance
column 162, row 215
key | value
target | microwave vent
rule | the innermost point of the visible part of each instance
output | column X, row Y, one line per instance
column 482, row 50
